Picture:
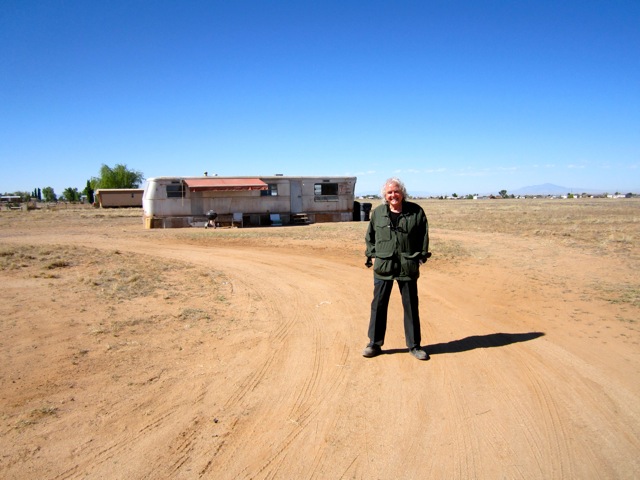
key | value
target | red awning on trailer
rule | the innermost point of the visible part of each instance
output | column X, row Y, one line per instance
column 225, row 184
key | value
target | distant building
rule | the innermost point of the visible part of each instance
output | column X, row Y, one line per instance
column 119, row 197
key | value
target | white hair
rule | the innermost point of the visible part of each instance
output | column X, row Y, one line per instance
column 393, row 181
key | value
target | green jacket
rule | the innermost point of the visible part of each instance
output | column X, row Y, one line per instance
column 398, row 251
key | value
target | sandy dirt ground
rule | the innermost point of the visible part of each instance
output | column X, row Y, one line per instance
column 236, row 353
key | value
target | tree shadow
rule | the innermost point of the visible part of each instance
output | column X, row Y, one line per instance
column 475, row 341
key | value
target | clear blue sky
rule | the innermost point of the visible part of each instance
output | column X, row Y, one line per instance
column 451, row 96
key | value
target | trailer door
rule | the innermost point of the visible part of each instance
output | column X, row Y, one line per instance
column 197, row 204
column 296, row 196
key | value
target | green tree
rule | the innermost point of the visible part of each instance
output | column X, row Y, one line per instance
column 88, row 191
column 71, row 194
column 49, row 195
column 24, row 196
column 503, row 193
column 117, row 177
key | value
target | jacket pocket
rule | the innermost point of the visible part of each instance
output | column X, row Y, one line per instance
column 410, row 264
column 384, row 265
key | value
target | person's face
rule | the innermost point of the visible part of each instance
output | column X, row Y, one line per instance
column 392, row 194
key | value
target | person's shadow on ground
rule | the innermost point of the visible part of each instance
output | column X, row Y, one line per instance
column 475, row 341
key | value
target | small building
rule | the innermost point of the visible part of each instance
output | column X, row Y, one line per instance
column 173, row 202
column 119, row 197
column 11, row 202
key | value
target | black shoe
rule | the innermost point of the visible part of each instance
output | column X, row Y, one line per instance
column 419, row 353
column 371, row 351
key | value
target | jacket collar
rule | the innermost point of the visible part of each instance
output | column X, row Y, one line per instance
column 404, row 208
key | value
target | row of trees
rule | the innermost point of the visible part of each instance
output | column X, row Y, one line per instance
column 117, row 177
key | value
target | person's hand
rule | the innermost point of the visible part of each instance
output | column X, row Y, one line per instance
column 368, row 263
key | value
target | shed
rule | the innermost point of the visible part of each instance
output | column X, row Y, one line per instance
column 119, row 197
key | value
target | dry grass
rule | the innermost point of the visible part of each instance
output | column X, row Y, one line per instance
column 604, row 224
column 112, row 275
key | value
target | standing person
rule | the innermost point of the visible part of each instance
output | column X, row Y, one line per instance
column 398, row 239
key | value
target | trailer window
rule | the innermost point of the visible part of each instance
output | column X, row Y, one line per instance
column 176, row 190
column 325, row 192
column 272, row 191
column 326, row 189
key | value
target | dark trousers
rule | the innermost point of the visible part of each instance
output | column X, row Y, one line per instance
column 380, row 305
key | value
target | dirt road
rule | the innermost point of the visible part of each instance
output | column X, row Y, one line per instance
column 243, row 359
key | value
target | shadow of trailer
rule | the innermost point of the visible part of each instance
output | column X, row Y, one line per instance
column 178, row 202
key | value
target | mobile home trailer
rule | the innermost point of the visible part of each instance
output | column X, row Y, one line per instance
column 171, row 202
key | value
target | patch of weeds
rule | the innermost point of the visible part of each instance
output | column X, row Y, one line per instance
column 221, row 299
column 447, row 250
column 36, row 415
column 14, row 258
column 57, row 264
column 119, row 325
column 46, row 275
column 127, row 276
column 49, row 258
column 99, row 331
column 631, row 321
column 623, row 293
column 124, row 283
column 45, row 411
column 631, row 295
column 194, row 314
column 79, row 354
column 23, row 423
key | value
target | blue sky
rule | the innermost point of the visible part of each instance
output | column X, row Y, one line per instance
column 451, row 96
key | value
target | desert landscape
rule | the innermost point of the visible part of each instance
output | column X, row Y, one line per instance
column 236, row 353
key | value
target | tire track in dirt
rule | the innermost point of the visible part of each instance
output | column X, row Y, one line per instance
column 308, row 398
column 545, row 381
column 306, row 395
column 308, row 411
column 96, row 455
column 281, row 316
column 242, row 275
column 164, row 414
column 559, row 454
column 285, row 316
column 182, row 447
column 482, row 416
